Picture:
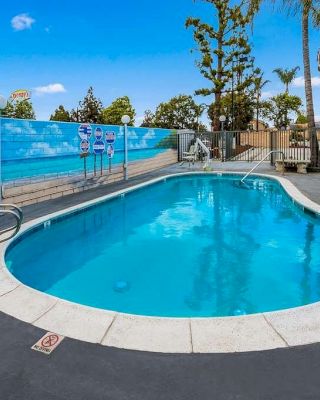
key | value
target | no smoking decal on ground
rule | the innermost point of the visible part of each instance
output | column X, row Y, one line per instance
column 49, row 342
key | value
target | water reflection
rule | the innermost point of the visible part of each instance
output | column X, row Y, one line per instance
column 225, row 266
column 218, row 278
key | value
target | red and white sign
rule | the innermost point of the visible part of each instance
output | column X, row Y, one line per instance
column 49, row 342
column 21, row 94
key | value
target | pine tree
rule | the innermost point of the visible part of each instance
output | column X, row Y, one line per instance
column 24, row 110
column 89, row 110
column 8, row 111
column 148, row 120
column 224, row 50
column 60, row 114
column 19, row 109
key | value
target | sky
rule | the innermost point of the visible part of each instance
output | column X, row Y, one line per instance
column 128, row 48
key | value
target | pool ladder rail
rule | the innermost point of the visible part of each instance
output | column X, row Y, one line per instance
column 8, row 210
column 260, row 162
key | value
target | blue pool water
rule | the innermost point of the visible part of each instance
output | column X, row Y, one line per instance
column 36, row 167
column 192, row 246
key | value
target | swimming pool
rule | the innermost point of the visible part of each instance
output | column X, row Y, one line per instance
column 189, row 246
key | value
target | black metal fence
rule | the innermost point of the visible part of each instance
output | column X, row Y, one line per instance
column 252, row 145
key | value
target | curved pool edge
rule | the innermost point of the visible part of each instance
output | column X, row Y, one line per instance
column 256, row 332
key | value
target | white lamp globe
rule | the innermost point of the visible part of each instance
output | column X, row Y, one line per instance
column 3, row 102
column 222, row 118
column 125, row 119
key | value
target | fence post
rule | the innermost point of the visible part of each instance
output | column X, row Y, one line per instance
column 272, row 146
column 179, row 145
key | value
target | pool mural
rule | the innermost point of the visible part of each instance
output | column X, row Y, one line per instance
column 36, row 148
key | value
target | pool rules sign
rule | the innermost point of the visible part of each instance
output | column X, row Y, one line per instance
column 103, row 144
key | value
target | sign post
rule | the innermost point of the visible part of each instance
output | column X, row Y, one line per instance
column 110, row 153
column 85, row 148
column 98, row 148
column 110, row 139
column 85, row 132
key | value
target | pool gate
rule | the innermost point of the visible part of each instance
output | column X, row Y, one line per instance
column 250, row 146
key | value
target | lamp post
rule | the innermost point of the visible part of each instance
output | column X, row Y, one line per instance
column 223, row 119
column 125, row 120
column 3, row 103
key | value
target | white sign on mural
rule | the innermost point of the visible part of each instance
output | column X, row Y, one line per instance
column 110, row 151
column 85, row 131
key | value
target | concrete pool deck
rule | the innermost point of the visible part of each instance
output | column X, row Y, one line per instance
column 239, row 376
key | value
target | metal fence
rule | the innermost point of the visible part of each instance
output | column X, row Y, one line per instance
column 47, row 149
column 252, row 145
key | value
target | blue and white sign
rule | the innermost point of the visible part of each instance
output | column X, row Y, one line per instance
column 85, row 146
column 85, row 131
column 99, row 147
column 98, row 133
column 110, row 151
column 110, row 137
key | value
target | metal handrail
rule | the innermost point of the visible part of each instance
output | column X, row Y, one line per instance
column 11, row 209
column 260, row 162
column 15, row 208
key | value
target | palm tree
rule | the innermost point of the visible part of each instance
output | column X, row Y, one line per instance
column 258, row 85
column 286, row 76
column 306, row 9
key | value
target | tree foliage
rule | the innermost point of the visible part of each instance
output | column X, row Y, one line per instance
column 19, row 109
column 148, row 120
column 122, row 106
column 279, row 107
column 89, row 110
column 258, row 84
column 302, row 119
column 180, row 112
column 286, row 76
column 307, row 10
column 224, row 49
column 60, row 114
column 241, row 107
